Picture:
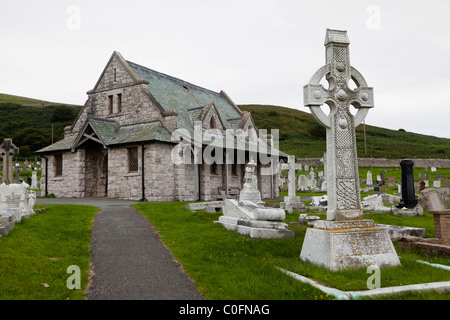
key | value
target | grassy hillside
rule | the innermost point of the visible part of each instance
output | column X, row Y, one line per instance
column 8, row 98
column 301, row 134
column 29, row 122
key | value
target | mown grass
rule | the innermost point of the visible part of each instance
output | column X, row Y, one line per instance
column 225, row 265
column 38, row 251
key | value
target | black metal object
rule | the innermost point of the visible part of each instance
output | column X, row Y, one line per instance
column 408, row 193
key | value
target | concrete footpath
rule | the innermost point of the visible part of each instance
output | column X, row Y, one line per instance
column 130, row 262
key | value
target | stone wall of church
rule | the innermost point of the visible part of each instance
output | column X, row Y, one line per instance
column 160, row 173
column 123, row 184
column 71, row 183
column 136, row 107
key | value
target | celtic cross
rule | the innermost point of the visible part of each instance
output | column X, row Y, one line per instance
column 7, row 152
column 344, row 201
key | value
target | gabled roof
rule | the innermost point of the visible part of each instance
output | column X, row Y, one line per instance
column 108, row 133
column 181, row 96
column 140, row 133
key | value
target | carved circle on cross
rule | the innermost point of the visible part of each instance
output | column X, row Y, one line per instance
column 362, row 99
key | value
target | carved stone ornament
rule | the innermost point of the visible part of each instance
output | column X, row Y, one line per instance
column 341, row 157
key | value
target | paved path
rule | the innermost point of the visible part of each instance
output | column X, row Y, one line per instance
column 129, row 260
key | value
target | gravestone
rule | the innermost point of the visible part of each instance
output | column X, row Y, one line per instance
column 433, row 169
column 431, row 200
column 249, row 217
column 250, row 190
column 16, row 201
column 436, row 183
column 382, row 178
column 408, row 193
column 422, row 175
column 302, row 184
column 446, row 183
column 422, row 185
column 369, row 178
column 440, row 176
column 7, row 151
column 345, row 239
column 292, row 201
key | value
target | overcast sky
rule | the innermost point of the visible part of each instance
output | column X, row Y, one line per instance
column 258, row 51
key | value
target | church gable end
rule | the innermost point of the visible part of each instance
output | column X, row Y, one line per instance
column 116, row 74
column 210, row 118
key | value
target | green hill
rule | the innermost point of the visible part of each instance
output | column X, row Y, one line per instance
column 29, row 122
column 301, row 134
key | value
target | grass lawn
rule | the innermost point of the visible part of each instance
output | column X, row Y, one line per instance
column 35, row 255
column 225, row 265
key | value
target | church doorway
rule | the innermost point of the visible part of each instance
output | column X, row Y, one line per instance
column 96, row 170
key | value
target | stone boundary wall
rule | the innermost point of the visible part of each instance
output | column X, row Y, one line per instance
column 380, row 162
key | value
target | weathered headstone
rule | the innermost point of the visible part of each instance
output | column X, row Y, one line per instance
column 14, row 201
column 409, row 200
column 7, row 151
column 422, row 185
column 369, row 178
column 292, row 201
column 437, row 183
column 344, row 240
column 302, row 183
column 446, row 183
column 431, row 200
column 250, row 190
column 433, row 169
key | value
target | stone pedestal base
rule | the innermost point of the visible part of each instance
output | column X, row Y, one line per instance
column 256, row 229
column 348, row 244
column 251, row 195
column 292, row 204
column 442, row 226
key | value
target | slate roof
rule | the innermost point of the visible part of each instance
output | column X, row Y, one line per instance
column 111, row 134
column 140, row 133
column 105, row 129
column 64, row 144
column 181, row 96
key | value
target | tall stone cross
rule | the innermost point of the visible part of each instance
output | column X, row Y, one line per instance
column 344, row 201
column 7, row 151
column 292, row 167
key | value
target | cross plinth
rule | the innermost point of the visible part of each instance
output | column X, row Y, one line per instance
column 344, row 201
column 7, row 152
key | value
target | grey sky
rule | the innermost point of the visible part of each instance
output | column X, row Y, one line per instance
column 258, row 51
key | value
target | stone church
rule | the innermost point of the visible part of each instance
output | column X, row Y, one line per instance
column 122, row 143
